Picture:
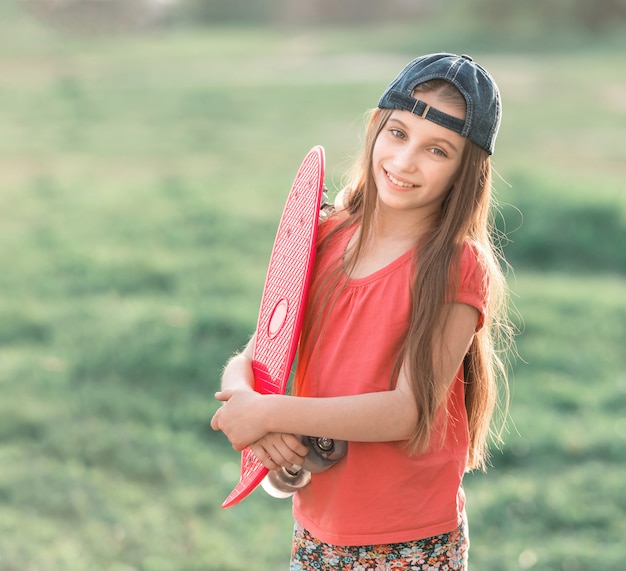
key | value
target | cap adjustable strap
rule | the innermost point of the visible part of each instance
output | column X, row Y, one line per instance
column 405, row 102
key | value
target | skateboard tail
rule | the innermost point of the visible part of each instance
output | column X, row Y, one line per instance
column 252, row 472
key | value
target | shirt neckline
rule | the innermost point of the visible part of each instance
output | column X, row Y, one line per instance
column 378, row 274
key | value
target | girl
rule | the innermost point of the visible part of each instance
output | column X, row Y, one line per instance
column 398, row 353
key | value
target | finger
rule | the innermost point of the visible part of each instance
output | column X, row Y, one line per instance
column 287, row 458
column 215, row 421
column 264, row 457
column 284, row 456
column 296, row 445
column 277, row 456
column 223, row 396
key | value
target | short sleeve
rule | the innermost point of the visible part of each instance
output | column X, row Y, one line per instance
column 473, row 281
column 326, row 226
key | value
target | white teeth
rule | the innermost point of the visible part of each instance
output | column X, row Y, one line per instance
column 399, row 182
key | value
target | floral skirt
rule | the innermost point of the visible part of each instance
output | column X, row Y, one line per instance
column 446, row 552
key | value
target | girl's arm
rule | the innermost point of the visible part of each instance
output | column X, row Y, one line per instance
column 237, row 373
column 274, row 449
column 372, row 417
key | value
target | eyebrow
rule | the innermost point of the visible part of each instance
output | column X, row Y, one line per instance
column 438, row 140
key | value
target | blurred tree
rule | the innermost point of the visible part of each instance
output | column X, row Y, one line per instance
column 501, row 16
column 594, row 16
column 353, row 11
column 225, row 11
column 600, row 15
column 100, row 16
column 302, row 12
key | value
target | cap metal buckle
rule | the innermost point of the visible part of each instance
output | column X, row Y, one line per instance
column 426, row 109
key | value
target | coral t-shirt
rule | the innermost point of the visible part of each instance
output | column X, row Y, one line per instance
column 378, row 493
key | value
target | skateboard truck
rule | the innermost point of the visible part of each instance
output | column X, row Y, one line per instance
column 326, row 208
column 323, row 453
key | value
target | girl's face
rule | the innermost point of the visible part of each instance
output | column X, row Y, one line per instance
column 415, row 161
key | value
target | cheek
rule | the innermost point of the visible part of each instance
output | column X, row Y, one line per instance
column 446, row 176
column 383, row 144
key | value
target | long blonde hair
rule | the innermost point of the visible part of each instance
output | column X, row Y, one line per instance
column 466, row 215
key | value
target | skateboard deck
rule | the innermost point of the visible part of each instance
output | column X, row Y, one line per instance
column 283, row 301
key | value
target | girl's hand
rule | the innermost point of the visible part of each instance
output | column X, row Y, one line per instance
column 241, row 417
column 276, row 450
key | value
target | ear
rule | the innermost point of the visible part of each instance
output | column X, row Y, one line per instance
column 374, row 116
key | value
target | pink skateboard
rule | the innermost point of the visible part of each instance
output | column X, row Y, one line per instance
column 283, row 301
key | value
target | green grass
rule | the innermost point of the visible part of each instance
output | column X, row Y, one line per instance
column 553, row 494
column 140, row 184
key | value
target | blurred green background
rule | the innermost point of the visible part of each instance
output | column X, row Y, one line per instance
column 146, row 149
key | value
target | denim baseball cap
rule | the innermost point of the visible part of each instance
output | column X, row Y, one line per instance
column 482, row 97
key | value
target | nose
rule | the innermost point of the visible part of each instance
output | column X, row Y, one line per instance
column 405, row 159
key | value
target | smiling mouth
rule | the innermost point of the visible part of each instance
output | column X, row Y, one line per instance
column 398, row 182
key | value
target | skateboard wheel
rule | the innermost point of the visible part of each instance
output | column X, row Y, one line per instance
column 323, row 453
column 284, row 483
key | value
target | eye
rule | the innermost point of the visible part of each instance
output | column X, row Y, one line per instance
column 438, row 152
column 398, row 134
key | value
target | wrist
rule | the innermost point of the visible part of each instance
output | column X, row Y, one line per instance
column 271, row 412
